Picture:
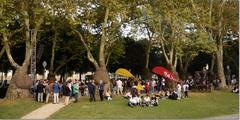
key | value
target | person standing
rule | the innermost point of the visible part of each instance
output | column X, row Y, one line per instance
column 179, row 90
column 185, row 89
column 101, row 89
column 47, row 90
column 56, row 90
column 153, row 84
column 35, row 90
column 81, row 88
column 40, row 88
column 66, row 93
column 119, row 87
column 147, row 87
column 91, row 90
column 163, row 85
column 75, row 88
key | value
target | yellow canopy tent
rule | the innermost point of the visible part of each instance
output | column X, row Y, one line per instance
column 123, row 72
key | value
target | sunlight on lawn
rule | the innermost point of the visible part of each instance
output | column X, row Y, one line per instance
column 198, row 105
column 15, row 109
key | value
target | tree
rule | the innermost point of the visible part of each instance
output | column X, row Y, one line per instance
column 134, row 54
column 230, row 56
column 169, row 29
column 194, row 43
column 2, row 51
column 216, row 18
column 28, row 15
column 93, row 29
column 4, row 21
column 143, row 25
column 64, row 48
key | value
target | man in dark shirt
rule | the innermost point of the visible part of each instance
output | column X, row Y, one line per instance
column 91, row 90
column 101, row 89
column 40, row 88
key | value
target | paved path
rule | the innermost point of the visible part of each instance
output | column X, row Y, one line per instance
column 226, row 117
column 44, row 112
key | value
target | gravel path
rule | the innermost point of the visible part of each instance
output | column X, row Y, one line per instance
column 44, row 112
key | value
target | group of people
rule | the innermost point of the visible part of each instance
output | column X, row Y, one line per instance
column 149, row 86
column 69, row 89
column 156, row 87
column 136, row 99
column 143, row 101
column 154, row 90
column 43, row 88
column 91, row 88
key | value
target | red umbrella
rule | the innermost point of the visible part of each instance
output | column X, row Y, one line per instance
column 164, row 73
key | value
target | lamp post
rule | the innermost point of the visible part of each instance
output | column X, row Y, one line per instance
column 33, row 54
column 44, row 68
column 33, row 57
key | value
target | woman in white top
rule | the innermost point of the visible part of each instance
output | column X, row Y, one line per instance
column 179, row 90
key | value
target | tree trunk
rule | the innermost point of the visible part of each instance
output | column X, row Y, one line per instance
column 102, row 74
column 220, row 68
column 147, row 74
column 20, row 84
column 174, row 71
column 183, row 67
column 51, row 76
column 2, row 52
column 212, row 65
column 184, row 74
column 80, row 76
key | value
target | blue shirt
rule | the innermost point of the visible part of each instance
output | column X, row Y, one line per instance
column 56, row 88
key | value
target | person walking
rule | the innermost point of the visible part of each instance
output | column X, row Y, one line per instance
column 101, row 89
column 91, row 90
column 56, row 90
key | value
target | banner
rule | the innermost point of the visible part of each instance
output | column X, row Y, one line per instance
column 164, row 73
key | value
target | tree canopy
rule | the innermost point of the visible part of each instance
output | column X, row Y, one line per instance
column 101, row 36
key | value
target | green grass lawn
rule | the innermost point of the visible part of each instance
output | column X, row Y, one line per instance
column 198, row 105
column 15, row 109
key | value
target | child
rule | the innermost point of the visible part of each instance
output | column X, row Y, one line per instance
column 132, row 101
column 128, row 95
column 108, row 95
column 146, row 101
column 154, row 101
